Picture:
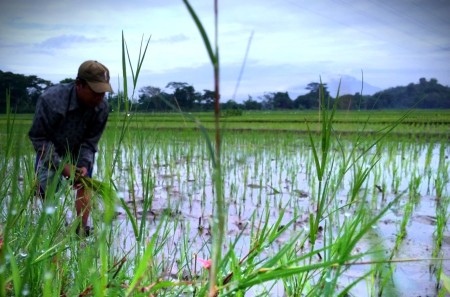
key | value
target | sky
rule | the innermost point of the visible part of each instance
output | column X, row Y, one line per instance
column 264, row 46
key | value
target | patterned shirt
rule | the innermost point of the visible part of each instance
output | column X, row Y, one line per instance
column 64, row 128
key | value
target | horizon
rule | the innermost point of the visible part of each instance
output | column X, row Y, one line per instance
column 345, row 84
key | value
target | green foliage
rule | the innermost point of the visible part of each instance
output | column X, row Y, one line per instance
column 105, row 190
column 446, row 282
column 276, row 253
column 24, row 91
column 67, row 80
column 424, row 95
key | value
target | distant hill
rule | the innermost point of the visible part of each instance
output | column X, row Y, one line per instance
column 426, row 94
column 350, row 86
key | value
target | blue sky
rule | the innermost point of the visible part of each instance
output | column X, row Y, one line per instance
column 290, row 42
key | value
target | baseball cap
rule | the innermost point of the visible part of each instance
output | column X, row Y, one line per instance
column 96, row 75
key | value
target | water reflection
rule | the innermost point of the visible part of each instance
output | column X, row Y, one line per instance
column 275, row 177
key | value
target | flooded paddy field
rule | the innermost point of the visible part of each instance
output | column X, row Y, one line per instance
column 271, row 178
column 358, row 218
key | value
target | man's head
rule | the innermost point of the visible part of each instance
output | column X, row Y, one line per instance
column 96, row 75
column 92, row 83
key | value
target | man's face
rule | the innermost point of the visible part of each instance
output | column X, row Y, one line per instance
column 87, row 96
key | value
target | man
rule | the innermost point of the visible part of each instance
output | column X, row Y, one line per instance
column 67, row 126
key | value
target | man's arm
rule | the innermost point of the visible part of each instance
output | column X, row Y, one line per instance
column 93, row 134
column 45, row 119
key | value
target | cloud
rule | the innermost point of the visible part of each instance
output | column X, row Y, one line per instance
column 443, row 48
column 173, row 39
column 290, row 42
column 65, row 41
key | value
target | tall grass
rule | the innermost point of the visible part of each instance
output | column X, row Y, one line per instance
column 218, row 223
column 278, row 175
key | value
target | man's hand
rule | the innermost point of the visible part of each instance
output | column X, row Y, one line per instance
column 82, row 171
column 67, row 171
column 69, row 168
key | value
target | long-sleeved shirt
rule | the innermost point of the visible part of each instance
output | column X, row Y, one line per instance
column 62, row 127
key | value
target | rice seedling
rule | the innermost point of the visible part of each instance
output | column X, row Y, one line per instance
column 442, row 217
column 254, row 149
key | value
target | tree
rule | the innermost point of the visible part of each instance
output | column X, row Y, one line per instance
column 148, row 98
column 282, row 101
column 422, row 81
column 251, row 104
column 116, row 101
column 312, row 100
column 24, row 91
column 425, row 94
column 230, row 105
column 345, row 102
column 307, row 101
column 313, row 87
column 278, row 100
column 184, row 94
column 207, row 100
column 67, row 80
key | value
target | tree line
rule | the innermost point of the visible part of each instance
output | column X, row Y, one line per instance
column 24, row 92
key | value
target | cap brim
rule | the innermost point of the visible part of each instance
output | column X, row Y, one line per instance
column 100, row 87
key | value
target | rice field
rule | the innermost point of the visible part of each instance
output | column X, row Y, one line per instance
column 426, row 123
column 342, row 206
